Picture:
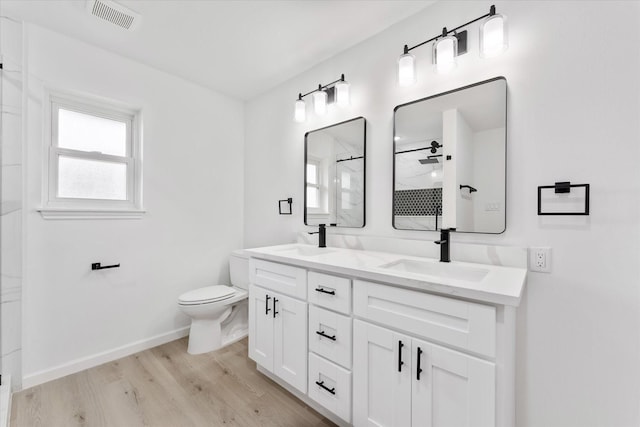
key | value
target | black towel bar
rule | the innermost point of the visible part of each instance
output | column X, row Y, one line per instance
column 98, row 266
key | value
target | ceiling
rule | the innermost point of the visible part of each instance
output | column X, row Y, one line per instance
column 240, row 48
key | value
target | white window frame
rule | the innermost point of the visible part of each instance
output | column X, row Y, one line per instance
column 55, row 207
column 317, row 185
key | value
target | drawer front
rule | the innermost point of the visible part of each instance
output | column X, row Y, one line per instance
column 330, row 335
column 330, row 291
column 466, row 325
column 282, row 278
column 335, row 391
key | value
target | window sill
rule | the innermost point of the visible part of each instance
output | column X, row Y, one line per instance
column 59, row 213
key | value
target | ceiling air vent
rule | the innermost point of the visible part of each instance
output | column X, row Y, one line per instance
column 114, row 13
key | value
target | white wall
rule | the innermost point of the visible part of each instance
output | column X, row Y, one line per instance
column 572, row 72
column 488, row 157
column 193, row 183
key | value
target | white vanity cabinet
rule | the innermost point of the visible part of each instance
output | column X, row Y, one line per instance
column 402, row 381
column 278, row 323
column 368, row 348
column 432, row 385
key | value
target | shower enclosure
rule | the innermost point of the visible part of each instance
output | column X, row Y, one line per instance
column 11, row 203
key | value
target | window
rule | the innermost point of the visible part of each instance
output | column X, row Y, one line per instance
column 94, row 167
column 313, row 184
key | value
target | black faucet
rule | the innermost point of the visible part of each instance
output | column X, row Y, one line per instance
column 444, row 243
column 322, row 235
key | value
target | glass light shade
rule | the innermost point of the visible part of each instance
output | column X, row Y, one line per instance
column 320, row 102
column 493, row 36
column 300, row 112
column 342, row 94
column 445, row 51
column 406, row 70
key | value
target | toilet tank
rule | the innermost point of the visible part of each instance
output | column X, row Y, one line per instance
column 239, row 269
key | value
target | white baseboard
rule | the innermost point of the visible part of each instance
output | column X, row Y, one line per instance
column 83, row 363
column 5, row 401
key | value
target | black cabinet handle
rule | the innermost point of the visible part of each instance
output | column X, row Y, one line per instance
column 266, row 305
column 275, row 300
column 324, row 291
column 419, row 369
column 330, row 390
column 400, row 362
column 322, row 334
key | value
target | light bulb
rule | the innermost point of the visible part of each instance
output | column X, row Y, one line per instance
column 320, row 102
column 434, row 173
column 300, row 112
column 406, row 69
column 445, row 51
column 493, row 36
column 342, row 93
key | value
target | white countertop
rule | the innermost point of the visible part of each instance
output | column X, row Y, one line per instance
column 500, row 285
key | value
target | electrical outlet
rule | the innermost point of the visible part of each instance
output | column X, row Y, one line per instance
column 540, row 260
column 492, row 207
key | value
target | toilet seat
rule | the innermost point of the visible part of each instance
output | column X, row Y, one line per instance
column 207, row 295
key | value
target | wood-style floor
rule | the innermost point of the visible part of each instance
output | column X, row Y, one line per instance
column 165, row 386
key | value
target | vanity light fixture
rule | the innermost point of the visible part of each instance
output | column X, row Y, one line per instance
column 406, row 68
column 451, row 43
column 320, row 101
column 300, row 114
column 342, row 93
column 445, row 51
column 493, row 34
column 337, row 92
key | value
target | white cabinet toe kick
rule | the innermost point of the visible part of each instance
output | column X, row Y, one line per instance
column 370, row 353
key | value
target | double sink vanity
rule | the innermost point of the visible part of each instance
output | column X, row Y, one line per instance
column 373, row 338
column 381, row 339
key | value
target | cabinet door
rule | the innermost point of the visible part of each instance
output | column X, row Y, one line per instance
column 261, row 326
column 381, row 377
column 452, row 390
column 290, row 340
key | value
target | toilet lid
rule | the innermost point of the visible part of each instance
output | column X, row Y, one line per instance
column 207, row 294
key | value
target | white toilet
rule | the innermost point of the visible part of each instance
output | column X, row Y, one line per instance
column 219, row 314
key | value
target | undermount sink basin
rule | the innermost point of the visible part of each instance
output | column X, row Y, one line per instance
column 304, row 250
column 438, row 269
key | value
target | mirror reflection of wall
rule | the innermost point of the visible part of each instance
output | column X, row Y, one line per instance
column 334, row 175
column 461, row 184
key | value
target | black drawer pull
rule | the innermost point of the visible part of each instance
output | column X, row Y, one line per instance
column 330, row 390
column 324, row 291
column 275, row 300
column 322, row 334
column 400, row 362
column 419, row 369
column 266, row 305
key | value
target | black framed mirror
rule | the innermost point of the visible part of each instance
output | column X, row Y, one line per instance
column 334, row 174
column 449, row 168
